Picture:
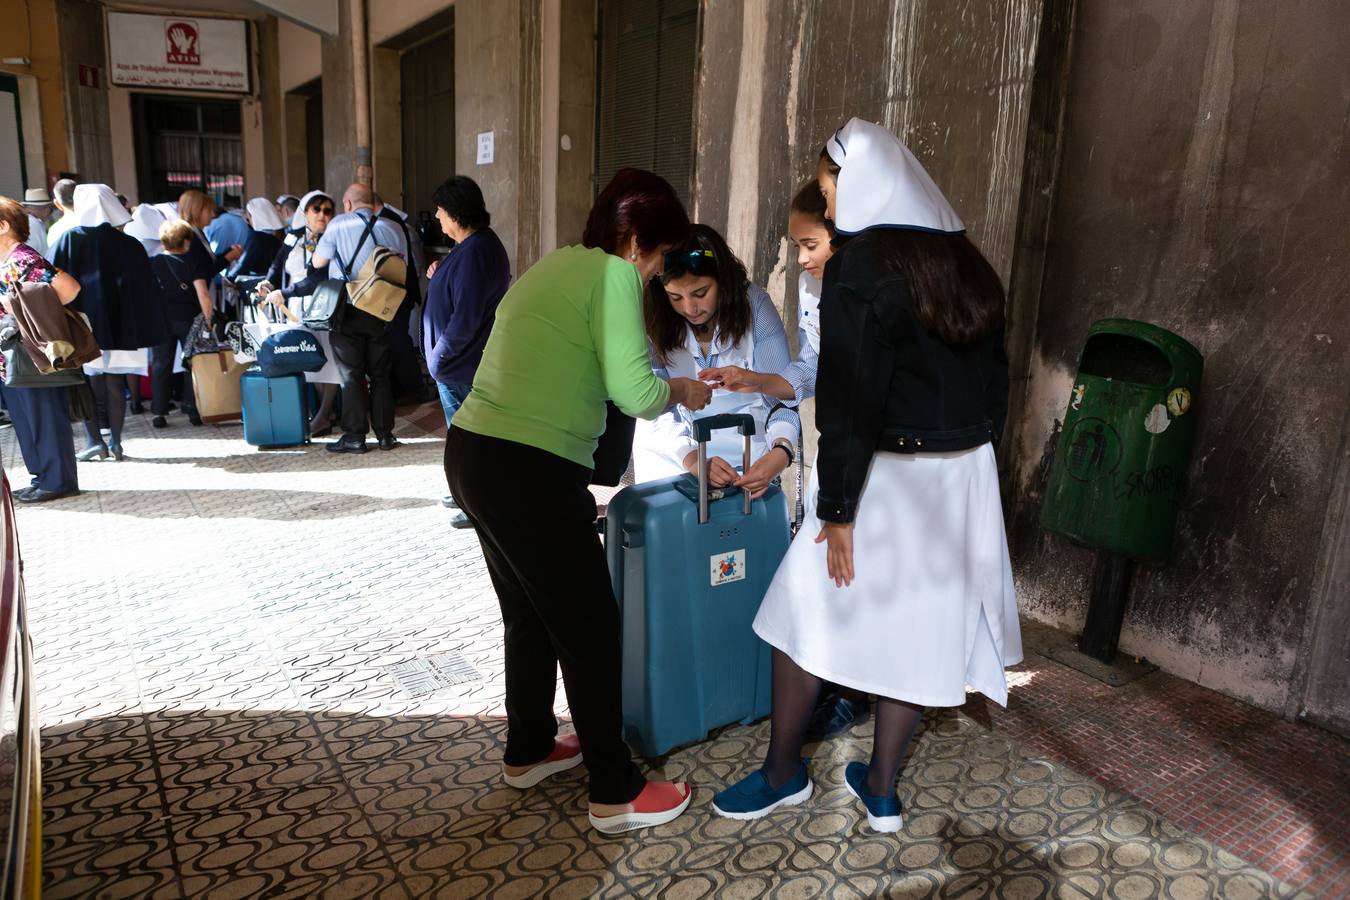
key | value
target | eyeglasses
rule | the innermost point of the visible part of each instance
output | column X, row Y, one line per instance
column 700, row 262
column 322, row 210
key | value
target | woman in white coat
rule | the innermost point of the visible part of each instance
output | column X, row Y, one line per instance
column 704, row 312
column 292, row 263
column 906, row 591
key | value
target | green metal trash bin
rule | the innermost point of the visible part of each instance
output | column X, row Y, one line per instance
column 1116, row 480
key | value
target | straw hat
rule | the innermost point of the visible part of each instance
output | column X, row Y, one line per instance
column 37, row 197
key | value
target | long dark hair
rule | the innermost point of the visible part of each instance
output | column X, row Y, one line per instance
column 640, row 204
column 810, row 202
column 957, row 292
column 665, row 327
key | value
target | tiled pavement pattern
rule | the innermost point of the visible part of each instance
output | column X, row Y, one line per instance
column 1274, row 792
column 213, row 626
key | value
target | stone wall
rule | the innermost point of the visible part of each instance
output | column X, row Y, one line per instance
column 1203, row 186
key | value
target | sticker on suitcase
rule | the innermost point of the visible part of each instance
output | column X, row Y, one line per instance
column 728, row 567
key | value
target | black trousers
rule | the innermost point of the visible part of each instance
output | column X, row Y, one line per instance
column 162, row 376
column 404, row 362
column 535, row 520
column 361, row 346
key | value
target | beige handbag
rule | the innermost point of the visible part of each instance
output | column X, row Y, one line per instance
column 378, row 288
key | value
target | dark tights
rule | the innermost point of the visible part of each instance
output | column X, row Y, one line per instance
column 795, row 691
column 111, row 402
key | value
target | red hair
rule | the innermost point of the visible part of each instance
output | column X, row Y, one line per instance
column 640, row 204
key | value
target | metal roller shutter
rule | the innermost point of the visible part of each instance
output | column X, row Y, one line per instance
column 648, row 56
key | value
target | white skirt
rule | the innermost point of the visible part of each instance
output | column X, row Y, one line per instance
column 931, row 607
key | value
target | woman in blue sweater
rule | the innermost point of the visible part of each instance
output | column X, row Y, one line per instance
column 462, row 297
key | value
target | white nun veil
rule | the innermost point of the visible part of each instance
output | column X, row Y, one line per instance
column 881, row 185
column 298, row 220
column 98, row 203
column 144, row 226
column 263, row 215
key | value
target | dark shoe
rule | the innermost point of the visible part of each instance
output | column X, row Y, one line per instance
column 460, row 521
column 193, row 417
column 834, row 716
column 5, row 419
column 92, row 452
column 389, row 442
column 325, row 431
column 159, row 422
column 116, row 451
column 883, row 813
column 24, row 492
column 38, row 495
column 348, row 444
column 752, row 798
column 449, row 502
column 138, row 409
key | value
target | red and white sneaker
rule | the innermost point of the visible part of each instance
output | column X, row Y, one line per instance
column 566, row 755
column 660, row 802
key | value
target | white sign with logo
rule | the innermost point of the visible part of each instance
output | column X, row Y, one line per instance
column 728, row 567
column 184, row 52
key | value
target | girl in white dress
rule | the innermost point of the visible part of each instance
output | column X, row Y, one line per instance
column 912, row 394
column 812, row 234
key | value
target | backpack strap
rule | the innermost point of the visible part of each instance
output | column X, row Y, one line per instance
column 347, row 266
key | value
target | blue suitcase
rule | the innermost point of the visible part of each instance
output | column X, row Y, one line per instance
column 275, row 411
column 689, row 577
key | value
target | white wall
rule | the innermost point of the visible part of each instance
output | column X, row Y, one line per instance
column 387, row 19
column 300, row 55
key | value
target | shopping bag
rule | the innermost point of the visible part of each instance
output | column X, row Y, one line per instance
column 215, row 383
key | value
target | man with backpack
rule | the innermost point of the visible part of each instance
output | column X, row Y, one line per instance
column 360, row 341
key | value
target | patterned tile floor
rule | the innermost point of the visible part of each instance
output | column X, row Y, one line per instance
column 214, row 628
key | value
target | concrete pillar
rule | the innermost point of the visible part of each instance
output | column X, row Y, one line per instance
column 339, row 125
column 271, row 109
column 296, row 159
column 576, row 120
column 497, row 59
column 83, row 43
column 387, row 124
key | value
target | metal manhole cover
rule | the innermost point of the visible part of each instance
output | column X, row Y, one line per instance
column 423, row 677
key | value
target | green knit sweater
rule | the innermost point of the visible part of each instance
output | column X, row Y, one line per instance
column 568, row 336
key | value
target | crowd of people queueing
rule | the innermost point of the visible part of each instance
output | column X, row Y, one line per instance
column 142, row 276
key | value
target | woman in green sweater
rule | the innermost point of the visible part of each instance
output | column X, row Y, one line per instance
column 568, row 337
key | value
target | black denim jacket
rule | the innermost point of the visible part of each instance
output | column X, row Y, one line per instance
column 886, row 383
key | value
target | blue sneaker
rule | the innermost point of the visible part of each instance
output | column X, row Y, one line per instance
column 883, row 813
column 835, row 716
column 752, row 798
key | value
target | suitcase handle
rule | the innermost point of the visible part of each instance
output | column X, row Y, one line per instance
column 703, row 429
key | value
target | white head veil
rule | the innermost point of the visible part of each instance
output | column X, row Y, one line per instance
column 169, row 209
column 264, row 215
column 298, row 220
column 145, row 222
column 881, row 185
column 98, row 203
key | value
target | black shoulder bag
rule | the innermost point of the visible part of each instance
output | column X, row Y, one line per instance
column 323, row 309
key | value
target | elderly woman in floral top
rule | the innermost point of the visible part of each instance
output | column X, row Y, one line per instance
column 41, row 416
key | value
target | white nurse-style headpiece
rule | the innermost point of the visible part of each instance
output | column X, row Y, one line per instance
column 882, row 185
column 98, row 203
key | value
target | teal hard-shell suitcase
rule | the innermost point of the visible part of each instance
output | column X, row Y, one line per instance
column 688, row 592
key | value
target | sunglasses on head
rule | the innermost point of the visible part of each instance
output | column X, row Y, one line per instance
column 700, row 262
